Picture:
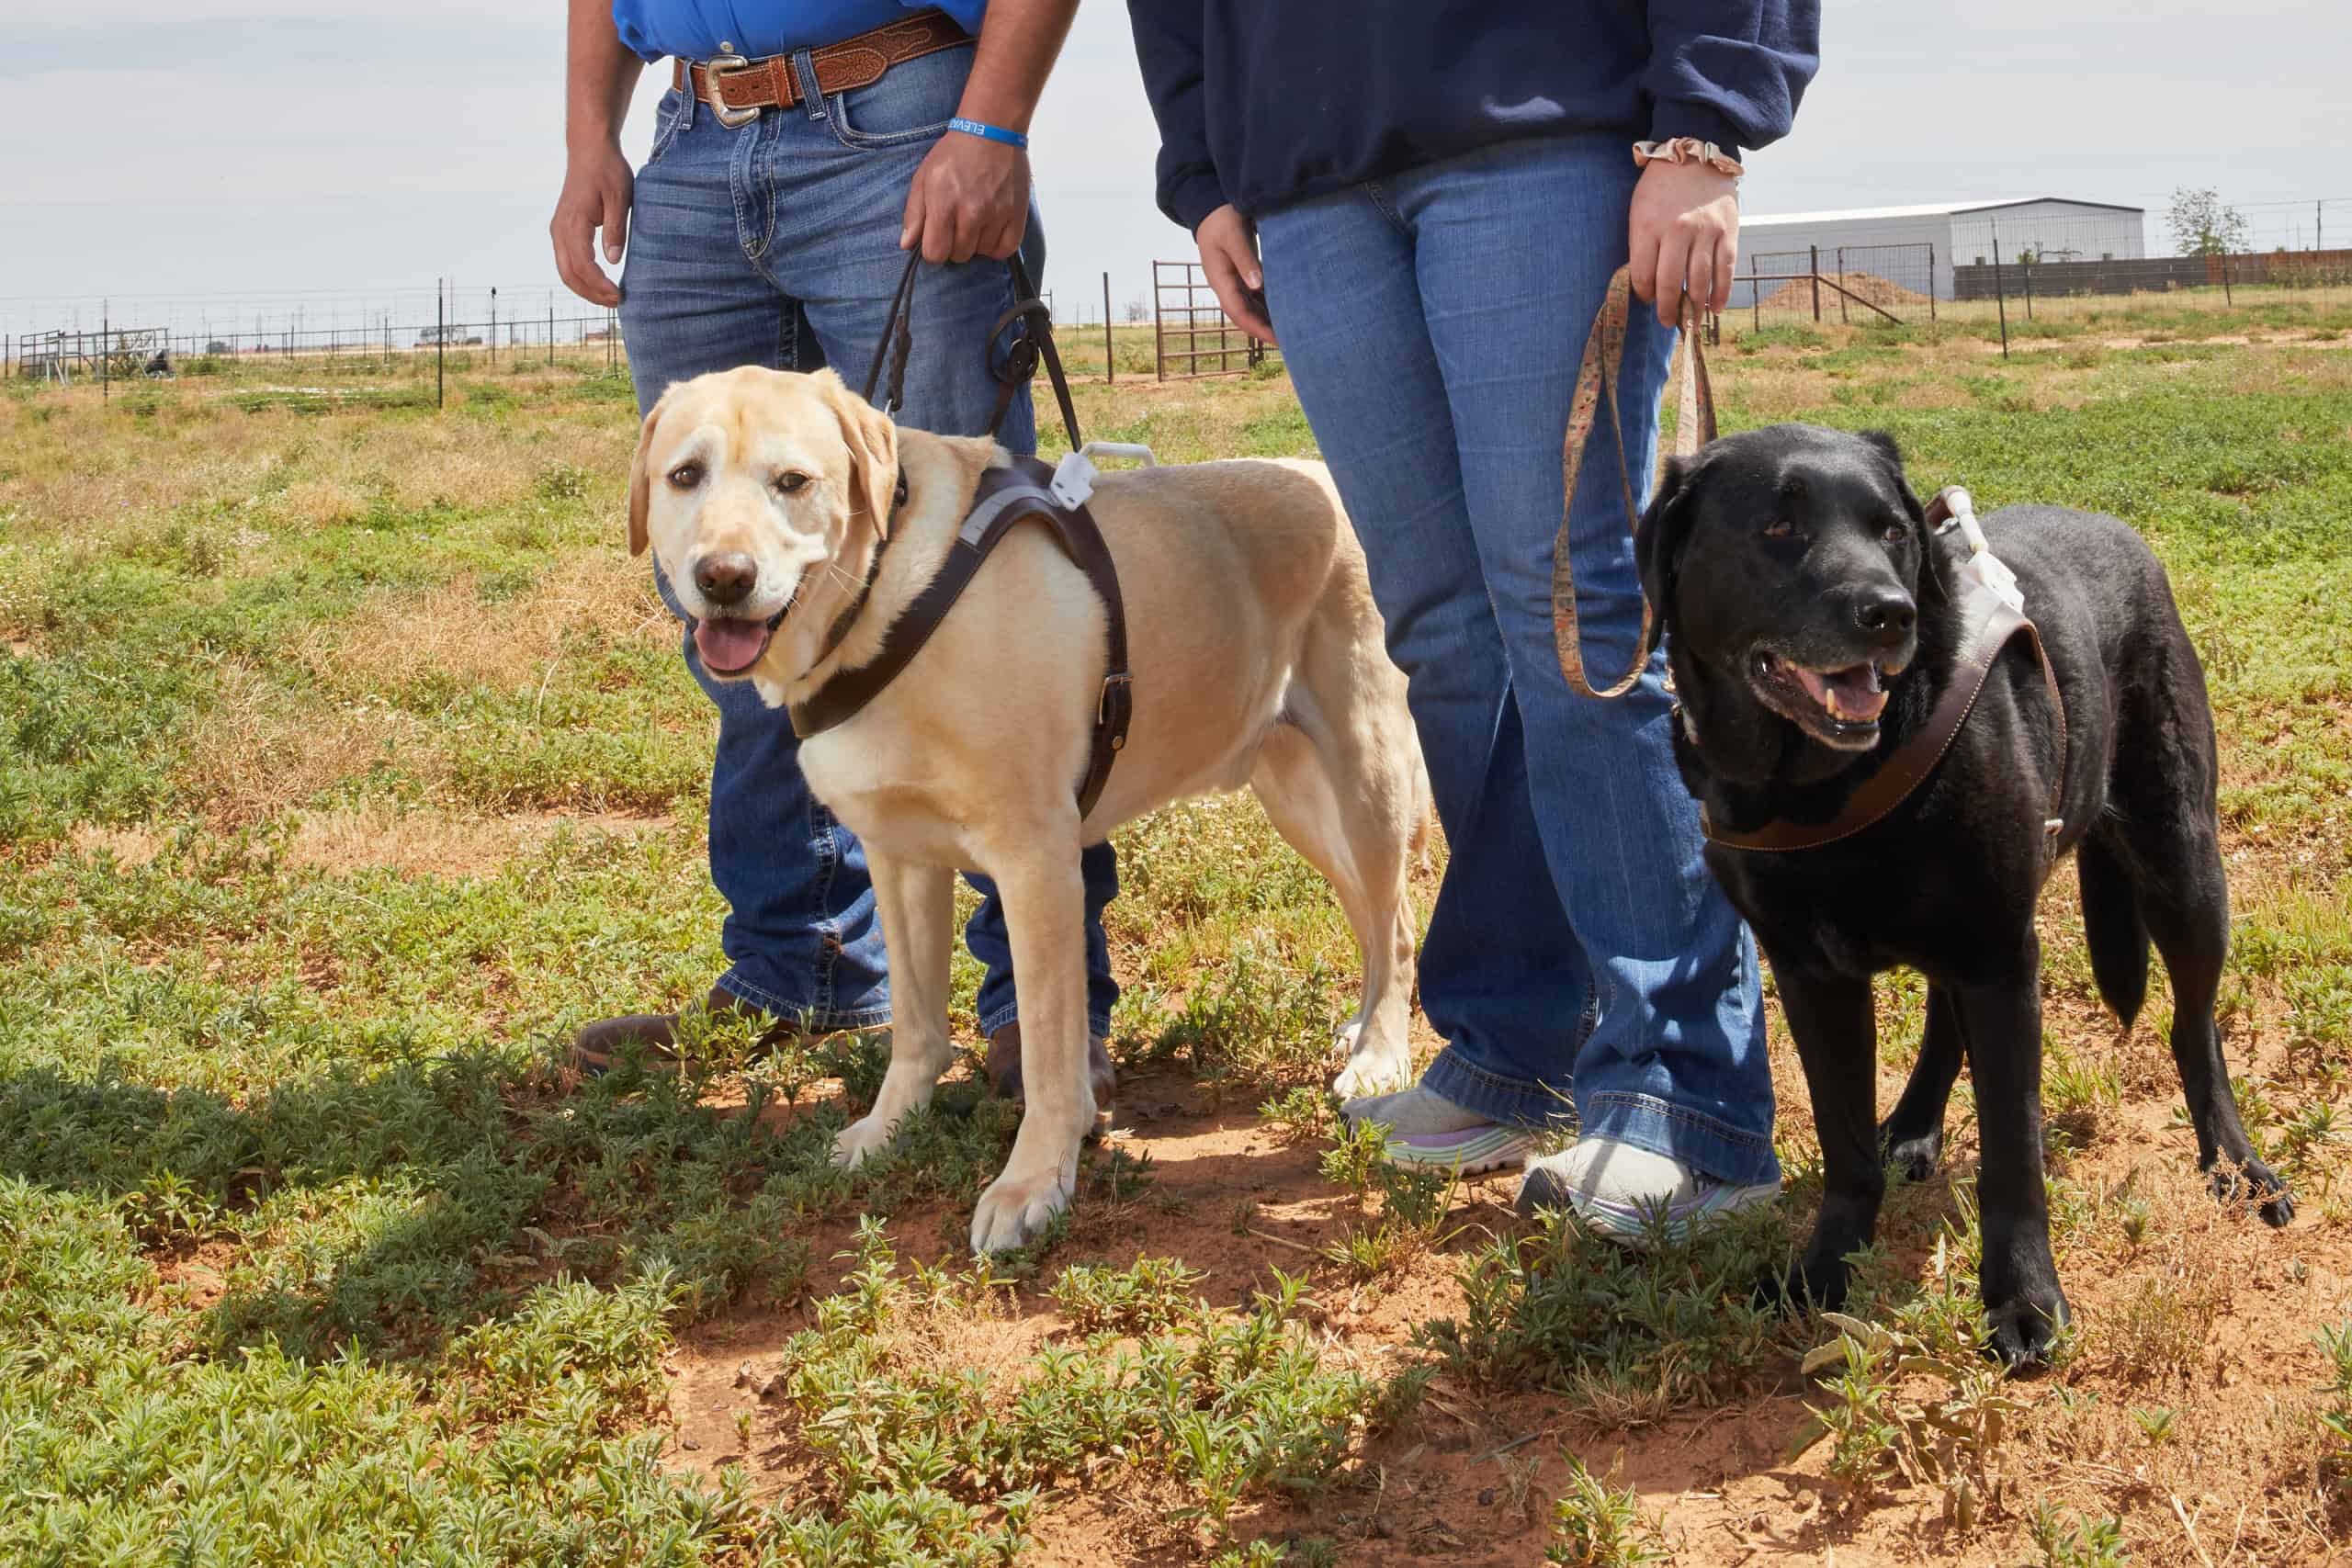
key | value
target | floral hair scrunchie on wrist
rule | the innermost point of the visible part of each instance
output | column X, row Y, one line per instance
column 1687, row 150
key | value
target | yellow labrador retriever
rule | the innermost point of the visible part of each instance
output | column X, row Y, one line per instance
column 1257, row 656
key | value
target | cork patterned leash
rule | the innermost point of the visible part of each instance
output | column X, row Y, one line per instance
column 1694, row 426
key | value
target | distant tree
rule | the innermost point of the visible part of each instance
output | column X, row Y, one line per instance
column 2203, row 225
column 1137, row 312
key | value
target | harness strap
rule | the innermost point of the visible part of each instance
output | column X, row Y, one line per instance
column 1991, row 624
column 1005, row 496
column 1694, row 426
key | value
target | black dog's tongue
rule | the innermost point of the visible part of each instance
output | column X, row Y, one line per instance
column 1849, row 693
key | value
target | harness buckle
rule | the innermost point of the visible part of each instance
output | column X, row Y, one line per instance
column 716, row 69
column 1125, row 683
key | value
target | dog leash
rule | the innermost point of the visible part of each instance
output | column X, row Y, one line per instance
column 1032, row 339
column 1694, row 426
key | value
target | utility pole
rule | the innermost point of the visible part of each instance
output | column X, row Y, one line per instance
column 440, row 343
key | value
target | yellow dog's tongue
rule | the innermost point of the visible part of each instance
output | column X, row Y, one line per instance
column 727, row 647
column 1845, row 694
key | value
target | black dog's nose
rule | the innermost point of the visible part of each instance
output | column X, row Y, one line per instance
column 1886, row 616
column 726, row 578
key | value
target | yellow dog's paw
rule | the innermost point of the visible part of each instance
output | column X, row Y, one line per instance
column 1014, row 1212
column 1373, row 1072
column 862, row 1140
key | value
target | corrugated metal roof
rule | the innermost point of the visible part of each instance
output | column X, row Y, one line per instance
column 1926, row 210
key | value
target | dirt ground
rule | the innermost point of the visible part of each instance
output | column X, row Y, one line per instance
column 1469, row 1478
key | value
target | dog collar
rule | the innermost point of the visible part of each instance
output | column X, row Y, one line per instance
column 1989, row 623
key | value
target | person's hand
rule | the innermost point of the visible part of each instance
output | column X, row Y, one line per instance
column 596, row 189
column 1684, row 231
column 1229, row 256
column 970, row 197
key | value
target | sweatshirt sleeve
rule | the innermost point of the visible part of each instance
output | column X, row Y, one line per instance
column 1168, row 47
column 1729, row 72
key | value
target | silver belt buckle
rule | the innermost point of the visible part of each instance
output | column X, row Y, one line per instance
column 718, row 69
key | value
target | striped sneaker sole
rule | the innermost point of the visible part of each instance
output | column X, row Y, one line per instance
column 1471, row 1151
column 1636, row 1223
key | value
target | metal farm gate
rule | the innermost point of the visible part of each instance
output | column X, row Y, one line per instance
column 1881, row 283
column 1190, row 335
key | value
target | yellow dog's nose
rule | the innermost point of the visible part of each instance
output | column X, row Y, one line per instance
column 726, row 577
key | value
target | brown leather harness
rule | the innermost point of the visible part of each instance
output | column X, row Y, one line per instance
column 1989, row 620
column 1006, row 495
column 1988, row 625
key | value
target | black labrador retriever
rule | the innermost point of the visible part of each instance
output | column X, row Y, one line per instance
column 1814, row 623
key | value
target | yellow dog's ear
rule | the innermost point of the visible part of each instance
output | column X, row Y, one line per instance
column 640, row 482
column 873, row 441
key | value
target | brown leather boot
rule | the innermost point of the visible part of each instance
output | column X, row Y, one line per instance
column 597, row 1048
column 1004, row 1067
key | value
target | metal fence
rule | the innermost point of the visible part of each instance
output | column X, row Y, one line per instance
column 1851, row 285
column 1190, row 335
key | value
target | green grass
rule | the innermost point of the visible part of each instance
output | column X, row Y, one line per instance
column 347, row 765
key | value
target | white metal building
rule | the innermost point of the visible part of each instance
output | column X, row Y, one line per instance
column 1893, row 242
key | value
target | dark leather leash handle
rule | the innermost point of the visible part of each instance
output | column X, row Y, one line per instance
column 1694, row 426
column 1032, row 340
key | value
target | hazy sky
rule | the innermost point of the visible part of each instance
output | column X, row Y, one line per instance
column 240, row 156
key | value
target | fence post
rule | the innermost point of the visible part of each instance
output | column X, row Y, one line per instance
column 105, row 360
column 2227, row 297
column 440, row 343
column 1931, row 285
column 2027, row 266
column 1110, row 349
column 551, row 317
column 1755, row 294
column 2000, row 296
column 1842, row 319
column 1816, row 283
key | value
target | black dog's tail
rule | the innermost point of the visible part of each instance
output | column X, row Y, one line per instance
column 2112, row 929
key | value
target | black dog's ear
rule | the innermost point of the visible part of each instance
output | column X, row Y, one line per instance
column 1665, row 527
column 1884, row 444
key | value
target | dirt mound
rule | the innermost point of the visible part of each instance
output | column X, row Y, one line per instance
column 1865, row 285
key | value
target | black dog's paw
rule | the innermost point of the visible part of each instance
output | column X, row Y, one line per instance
column 2236, row 1184
column 1806, row 1288
column 2025, row 1325
column 1913, row 1157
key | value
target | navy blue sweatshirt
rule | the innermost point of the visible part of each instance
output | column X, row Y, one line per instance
column 1262, row 103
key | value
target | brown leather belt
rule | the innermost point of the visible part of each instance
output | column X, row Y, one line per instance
column 744, row 87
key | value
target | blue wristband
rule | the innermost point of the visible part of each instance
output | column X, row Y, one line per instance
column 988, row 133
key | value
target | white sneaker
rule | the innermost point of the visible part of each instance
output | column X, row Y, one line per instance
column 1620, row 1191
column 1428, row 1130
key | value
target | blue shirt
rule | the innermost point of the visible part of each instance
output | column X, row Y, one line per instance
column 696, row 28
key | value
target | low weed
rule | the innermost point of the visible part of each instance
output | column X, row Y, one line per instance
column 1155, row 1293
column 2335, row 1418
column 1594, row 1526
column 2066, row 1539
column 1627, row 1336
column 1948, row 1436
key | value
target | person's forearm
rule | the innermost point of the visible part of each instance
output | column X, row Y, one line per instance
column 1019, row 40
column 599, row 75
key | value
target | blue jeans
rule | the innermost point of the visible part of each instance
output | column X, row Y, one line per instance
column 777, row 243
column 1578, row 954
